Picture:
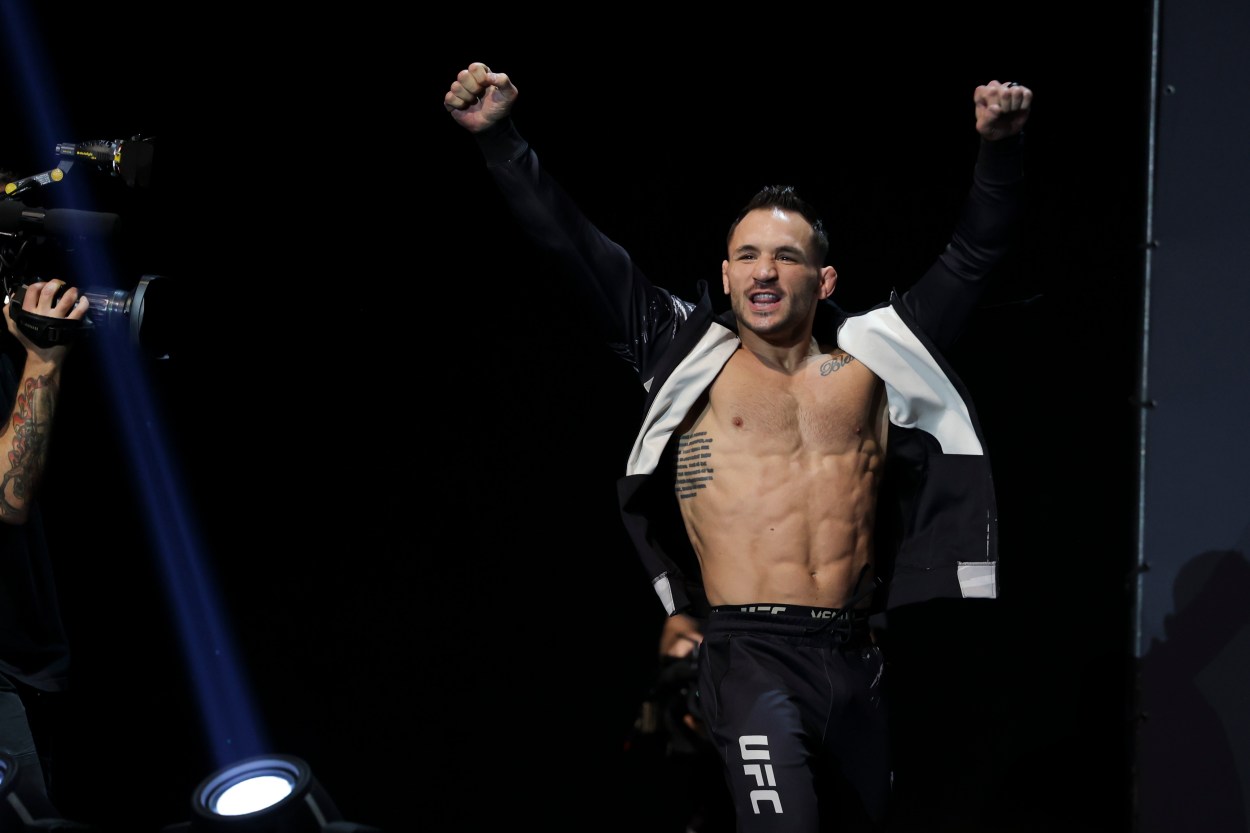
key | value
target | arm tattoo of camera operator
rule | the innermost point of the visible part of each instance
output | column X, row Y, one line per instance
column 31, row 422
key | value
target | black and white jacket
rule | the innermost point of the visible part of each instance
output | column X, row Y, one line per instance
column 937, row 517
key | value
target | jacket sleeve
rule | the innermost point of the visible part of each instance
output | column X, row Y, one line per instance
column 945, row 296
column 635, row 316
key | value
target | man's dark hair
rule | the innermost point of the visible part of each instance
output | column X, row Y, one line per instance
column 786, row 198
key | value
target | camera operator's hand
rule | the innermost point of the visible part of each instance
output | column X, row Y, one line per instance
column 679, row 636
column 50, row 299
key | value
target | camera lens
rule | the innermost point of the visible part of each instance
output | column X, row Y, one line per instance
column 125, row 313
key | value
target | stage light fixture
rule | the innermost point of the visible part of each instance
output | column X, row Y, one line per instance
column 264, row 794
column 24, row 809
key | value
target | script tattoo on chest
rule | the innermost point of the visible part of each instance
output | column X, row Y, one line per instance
column 694, row 467
column 836, row 363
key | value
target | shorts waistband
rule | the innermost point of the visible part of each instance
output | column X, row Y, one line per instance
column 844, row 628
column 804, row 611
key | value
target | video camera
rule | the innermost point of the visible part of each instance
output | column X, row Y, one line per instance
column 25, row 228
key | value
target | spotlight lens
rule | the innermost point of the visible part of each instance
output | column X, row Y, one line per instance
column 252, row 795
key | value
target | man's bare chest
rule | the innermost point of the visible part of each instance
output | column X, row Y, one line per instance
column 830, row 405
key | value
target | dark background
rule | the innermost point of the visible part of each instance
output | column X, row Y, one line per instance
column 395, row 444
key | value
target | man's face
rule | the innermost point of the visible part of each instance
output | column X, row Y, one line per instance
column 771, row 278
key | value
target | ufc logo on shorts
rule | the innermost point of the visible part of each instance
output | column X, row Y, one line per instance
column 755, row 748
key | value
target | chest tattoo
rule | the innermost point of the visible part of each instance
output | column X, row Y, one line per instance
column 694, row 465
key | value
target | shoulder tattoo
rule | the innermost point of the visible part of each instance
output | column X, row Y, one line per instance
column 835, row 363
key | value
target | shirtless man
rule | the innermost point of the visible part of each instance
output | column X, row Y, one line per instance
column 787, row 423
column 772, row 428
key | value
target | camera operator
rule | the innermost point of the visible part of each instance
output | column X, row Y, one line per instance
column 34, row 653
column 675, row 758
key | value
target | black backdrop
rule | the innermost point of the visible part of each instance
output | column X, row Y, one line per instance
column 397, row 444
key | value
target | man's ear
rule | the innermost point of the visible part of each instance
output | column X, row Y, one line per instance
column 828, row 280
column 724, row 275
